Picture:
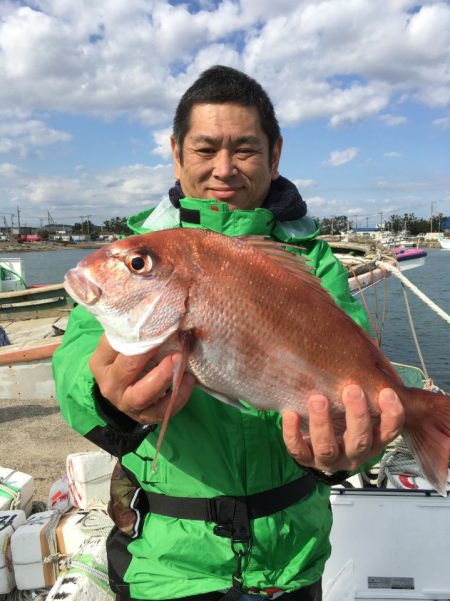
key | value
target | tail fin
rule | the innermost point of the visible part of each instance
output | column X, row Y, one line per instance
column 427, row 434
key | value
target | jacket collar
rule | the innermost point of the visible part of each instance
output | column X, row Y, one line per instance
column 283, row 199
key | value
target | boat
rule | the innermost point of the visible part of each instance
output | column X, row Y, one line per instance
column 444, row 243
column 19, row 301
column 26, row 356
column 11, row 274
column 409, row 258
column 32, row 322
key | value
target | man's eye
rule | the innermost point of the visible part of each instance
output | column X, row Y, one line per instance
column 206, row 151
column 245, row 151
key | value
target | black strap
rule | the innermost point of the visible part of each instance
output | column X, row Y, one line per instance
column 218, row 509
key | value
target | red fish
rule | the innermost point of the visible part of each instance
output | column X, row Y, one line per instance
column 252, row 323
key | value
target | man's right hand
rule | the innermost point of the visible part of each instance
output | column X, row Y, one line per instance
column 127, row 383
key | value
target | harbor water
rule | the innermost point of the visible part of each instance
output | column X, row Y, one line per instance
column 433, row 333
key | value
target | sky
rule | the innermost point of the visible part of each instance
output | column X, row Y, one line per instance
column 88, row 90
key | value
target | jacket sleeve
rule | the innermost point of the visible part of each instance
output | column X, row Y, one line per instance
column 81, row 403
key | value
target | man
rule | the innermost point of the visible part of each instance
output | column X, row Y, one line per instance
column 239, row 502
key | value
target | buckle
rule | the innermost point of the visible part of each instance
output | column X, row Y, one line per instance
column 230, row 515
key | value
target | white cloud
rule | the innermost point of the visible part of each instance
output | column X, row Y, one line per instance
column 393, row 155
column 304, row 183
column 342, row 60
column 340, row 157
column 443, row 123
column 162, row 141
column 120, row 191
column 393, row 120
column 18, row 136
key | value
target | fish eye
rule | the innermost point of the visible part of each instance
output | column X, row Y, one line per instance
column 138, row 263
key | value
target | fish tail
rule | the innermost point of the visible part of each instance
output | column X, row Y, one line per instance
column 427, row 434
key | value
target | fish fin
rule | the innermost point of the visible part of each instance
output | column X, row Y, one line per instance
column 221, row 397
column 178, row 373
column 296, row 264
column 427, row 434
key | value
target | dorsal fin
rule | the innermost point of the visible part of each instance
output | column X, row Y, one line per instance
column 294, row 263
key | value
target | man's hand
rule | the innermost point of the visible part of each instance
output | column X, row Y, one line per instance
column 128, row 384
column 361, row 441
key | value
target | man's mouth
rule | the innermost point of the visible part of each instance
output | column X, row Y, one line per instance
column 224, row 193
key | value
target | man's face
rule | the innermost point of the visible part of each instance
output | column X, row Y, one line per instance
column 226, row 156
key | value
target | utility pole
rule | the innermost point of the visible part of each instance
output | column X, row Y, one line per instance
column 18, row 219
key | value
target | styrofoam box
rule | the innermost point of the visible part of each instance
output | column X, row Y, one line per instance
column 399, row 542
column 9, row 522
column 86, row 578
column 89, row 478
column 69, row 534
column 17, row 480
column 30, row 545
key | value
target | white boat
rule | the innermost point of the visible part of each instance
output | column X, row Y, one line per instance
column 409, row 258
column 11, row 274
column 445, row 243
column 25, row 363
column 32, row 321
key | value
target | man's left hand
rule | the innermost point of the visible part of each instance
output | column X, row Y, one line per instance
column 362, row 439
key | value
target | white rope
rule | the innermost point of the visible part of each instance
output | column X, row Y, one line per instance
column 96, row 523
column 395, row 271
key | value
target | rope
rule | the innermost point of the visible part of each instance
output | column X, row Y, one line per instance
column 97, row 523
column 428, row 381
column 396, row 462
column 10, row 492
column 395, row 271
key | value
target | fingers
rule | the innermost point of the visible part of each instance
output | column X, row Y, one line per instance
column 154, row 411
column 392, row 417
column 326, row 449
column 296, row 445
column 323, row 439
column 358, row 437
column 136, row 385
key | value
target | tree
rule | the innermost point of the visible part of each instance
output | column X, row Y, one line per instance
column 116, row 225
column 334, row 225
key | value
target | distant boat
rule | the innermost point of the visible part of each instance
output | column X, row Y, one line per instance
column 445, row 243
column 409, row 258
column 32, row 322
column 19, row 301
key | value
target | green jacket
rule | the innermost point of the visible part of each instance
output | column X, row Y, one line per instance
column 210, row 448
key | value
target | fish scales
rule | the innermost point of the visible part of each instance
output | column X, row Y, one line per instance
column 253, row 324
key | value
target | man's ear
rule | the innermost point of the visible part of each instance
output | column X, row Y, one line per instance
column 176, row 156
column 276, row 155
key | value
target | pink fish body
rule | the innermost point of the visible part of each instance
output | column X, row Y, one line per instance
column 253, row 324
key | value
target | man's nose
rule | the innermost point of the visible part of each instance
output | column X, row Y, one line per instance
column 224, row 166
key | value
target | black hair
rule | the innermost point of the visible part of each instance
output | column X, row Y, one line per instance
column 218, row 85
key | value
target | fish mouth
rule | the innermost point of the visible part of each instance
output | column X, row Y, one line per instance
column 81, row 288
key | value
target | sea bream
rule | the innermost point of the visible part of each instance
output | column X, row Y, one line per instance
column 252, row 323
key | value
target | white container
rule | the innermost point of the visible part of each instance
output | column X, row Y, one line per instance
column 89, row 478
column 398, row 541
column 9, row 522
column 86, row 578
column 15, row 487
column 69, row 533
column 32, row 544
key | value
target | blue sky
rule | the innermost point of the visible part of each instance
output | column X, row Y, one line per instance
column 88, row 90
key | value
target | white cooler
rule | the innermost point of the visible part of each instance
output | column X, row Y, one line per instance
column 398, row 542
column 16, row 490
column 9, row 522
column 32, row 546
column 89, row 478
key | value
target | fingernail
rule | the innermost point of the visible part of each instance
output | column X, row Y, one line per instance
column 355, row 393
column 389, row 395
column 318, row 404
